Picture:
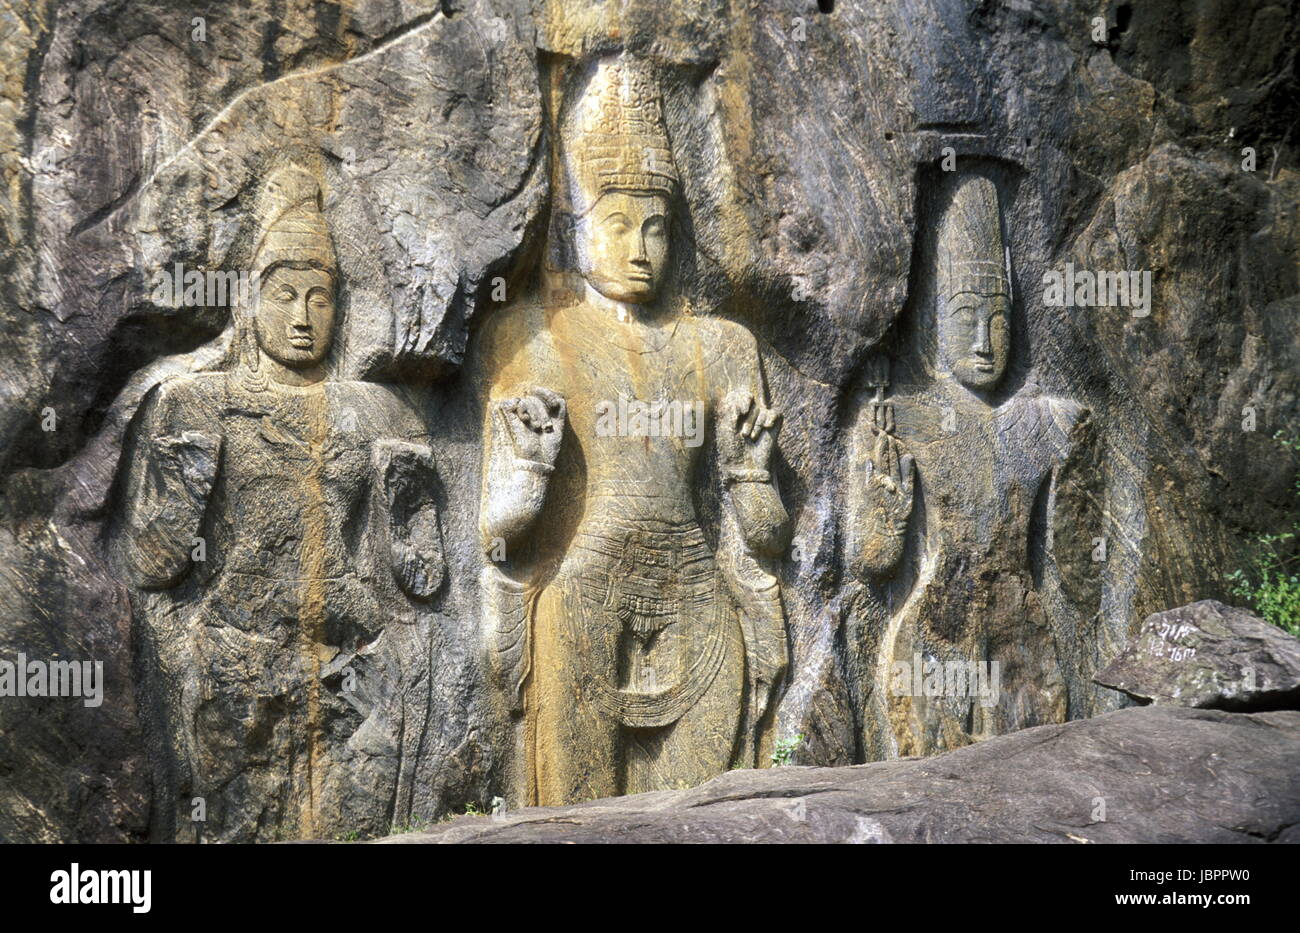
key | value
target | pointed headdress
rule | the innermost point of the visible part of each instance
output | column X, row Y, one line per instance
column 616, row 139
column 290, row 223
column 971, row 258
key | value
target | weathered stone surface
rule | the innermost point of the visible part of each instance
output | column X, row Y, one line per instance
column 1210, row 656
column 1135, row 775
column 811, row 142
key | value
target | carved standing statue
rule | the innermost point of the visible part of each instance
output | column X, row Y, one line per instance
column 973, row 641
column 277, row 522
column 635, row 656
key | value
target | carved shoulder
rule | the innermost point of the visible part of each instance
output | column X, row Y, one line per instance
column 1034, row 421
column 384, row 410
column 508, row 338
column 730, row 353
column 729, row 337
column 184, row 402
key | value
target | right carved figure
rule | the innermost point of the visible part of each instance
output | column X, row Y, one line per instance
column 966, row 629
column 635, row 656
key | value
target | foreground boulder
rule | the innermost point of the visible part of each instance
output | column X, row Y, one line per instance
column 1210, row 656
column 1146, row 774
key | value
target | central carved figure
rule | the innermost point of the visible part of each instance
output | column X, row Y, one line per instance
column 635, row 658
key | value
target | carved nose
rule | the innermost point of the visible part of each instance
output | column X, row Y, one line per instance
column 982, row 345
column 639, row 258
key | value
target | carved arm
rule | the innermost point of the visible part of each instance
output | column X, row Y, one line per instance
column 525, row 436
column 167, row 509
column 404, row 479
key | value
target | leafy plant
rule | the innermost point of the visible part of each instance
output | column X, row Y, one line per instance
column 785, row 749
column 1271, row 586
column 416, row 825
column 471, row 809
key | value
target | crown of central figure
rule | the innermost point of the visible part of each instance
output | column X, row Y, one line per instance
column 616, row 139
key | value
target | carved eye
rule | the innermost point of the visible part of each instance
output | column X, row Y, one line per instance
column 285, row 293
column 616, row 223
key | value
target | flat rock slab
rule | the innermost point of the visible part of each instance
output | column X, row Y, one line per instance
column 1144, row 774
column 1210, row 656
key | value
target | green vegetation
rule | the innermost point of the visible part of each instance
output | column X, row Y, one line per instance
column 785, row 749
column 1271, row 586
column 416, row 825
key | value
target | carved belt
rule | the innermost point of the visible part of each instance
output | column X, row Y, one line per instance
column 664, row 707
column 652, row 577
column 643, row 580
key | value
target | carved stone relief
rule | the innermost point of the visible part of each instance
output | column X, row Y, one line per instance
column 635, row 653
column 975, row 640
column 627, row 392
column 278, row 527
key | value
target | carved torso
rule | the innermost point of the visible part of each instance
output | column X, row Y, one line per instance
column 985, row 480
column 295, row 473
column 632, row 615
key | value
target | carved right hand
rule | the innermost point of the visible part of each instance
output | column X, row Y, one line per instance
column 746, row 430
column 535, row 424
column 890, row 474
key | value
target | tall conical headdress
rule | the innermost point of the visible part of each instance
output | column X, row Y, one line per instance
column 290, row 224
column 971, row 259
column 615, row 137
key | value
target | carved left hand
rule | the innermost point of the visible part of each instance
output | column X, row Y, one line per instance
column 747, row 430
column 406, row 475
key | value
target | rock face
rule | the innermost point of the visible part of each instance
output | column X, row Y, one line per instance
column 1160, row 775
column 938, row 477
column 1210, row 656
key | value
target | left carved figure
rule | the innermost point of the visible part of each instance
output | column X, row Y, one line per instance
column 276, row 524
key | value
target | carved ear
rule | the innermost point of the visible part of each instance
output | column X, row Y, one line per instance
column 248, row 343
column 566, row 227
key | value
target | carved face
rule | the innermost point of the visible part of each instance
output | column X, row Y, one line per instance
column 975, row 338
column 623, row 245
column 295, row 315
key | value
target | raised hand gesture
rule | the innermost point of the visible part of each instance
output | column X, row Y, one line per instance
column 891, row 474
column 535, row 424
